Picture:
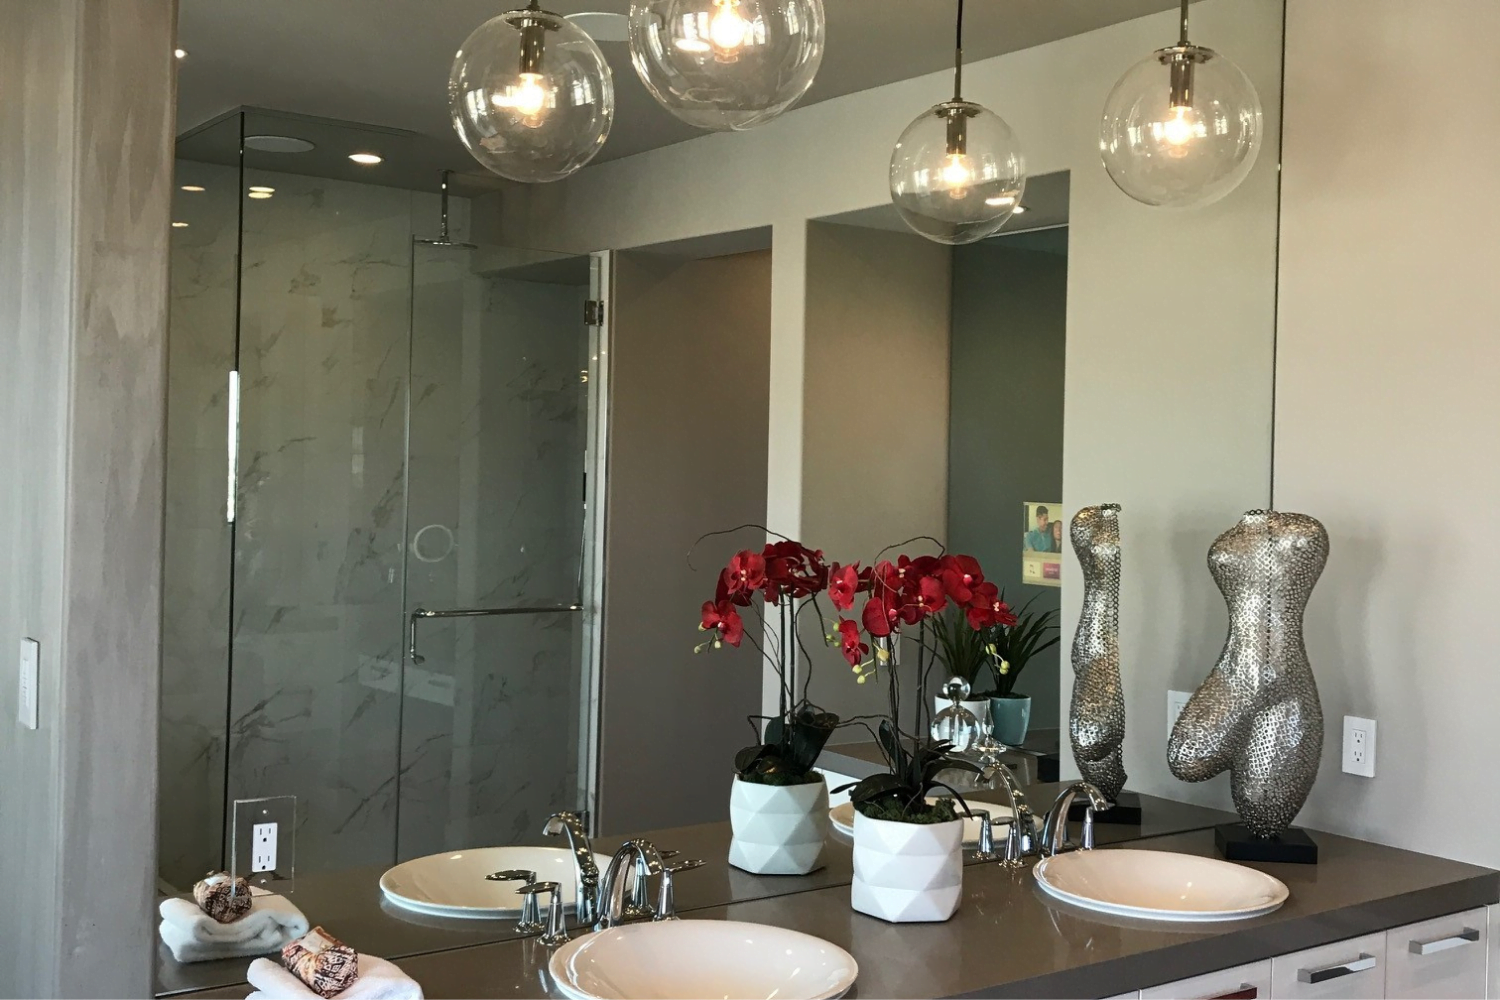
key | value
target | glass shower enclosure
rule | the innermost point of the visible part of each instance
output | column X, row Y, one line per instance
column 385, row 457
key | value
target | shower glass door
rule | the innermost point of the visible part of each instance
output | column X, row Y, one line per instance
column 495, row 726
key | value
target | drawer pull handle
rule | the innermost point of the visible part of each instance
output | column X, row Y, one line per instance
column 1468, row 936
column 1364, row 963
column 1245, row 992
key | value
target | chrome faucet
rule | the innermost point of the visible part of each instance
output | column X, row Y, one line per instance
column 585, row 870
column 1055, row 829
column 1020, row 841
column 642, row 858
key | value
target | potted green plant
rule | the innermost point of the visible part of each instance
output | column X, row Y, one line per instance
column 778, row 804
column 908, row 847
column 1011, row 648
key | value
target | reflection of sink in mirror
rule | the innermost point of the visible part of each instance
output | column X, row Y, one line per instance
column 454, row 884
column 673, row 959
column 1160, row 885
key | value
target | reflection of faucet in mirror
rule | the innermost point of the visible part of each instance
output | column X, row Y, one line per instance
column 1055, row 829
column 585, row 870
column 1021, row 840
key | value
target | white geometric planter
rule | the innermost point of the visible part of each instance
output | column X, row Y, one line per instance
column 907, row 872
column 778, row 829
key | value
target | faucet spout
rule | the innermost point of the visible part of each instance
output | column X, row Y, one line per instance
column 1055, row 829
column 1020, row 841
column 643, row 859
column 585, row 870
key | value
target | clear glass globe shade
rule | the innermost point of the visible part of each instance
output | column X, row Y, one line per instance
column 726, row 65
column 957, row 173
column 531, row 96
column 1182, row 155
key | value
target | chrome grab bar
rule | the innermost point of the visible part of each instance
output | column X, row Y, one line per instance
column 421, row 613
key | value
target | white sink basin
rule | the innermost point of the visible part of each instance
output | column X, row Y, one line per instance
column 689, row 959
column 454, row 884
column 1158, row 885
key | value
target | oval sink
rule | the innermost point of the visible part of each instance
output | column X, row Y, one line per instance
column 1159, row 885
column 687, row 959
column 454, row 884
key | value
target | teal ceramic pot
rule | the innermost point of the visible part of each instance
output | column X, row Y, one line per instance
column 1011, row 716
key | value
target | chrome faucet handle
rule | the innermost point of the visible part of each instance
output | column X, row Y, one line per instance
column 645, row 861
column 985, row 851
column 1055, row 829
column 556, row 930
column 666, row 902
column 531, row 914
column 1020, row 839
column 574, row 825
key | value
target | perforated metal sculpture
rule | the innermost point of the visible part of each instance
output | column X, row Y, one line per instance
column 1096, row 719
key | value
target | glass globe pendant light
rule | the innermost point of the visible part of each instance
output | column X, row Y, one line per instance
column 531, row 95
column 726, row 65
column 1182, row 127
column 957, row 173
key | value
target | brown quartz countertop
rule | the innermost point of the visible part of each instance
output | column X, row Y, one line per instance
column 1008, row 939
column 350, row 904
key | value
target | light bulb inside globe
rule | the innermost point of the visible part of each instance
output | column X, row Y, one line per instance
column 727, row 29
column 1182, row 126
column 957, row 174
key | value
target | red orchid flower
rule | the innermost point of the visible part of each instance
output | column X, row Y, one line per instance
column 745, row 574
column 854, row 650
column 927, row 599
column 843, row 584
column 725, row 619
column 879, row 615
column 793, row 569
column 960, row 575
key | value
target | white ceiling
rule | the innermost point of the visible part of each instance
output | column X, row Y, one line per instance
column 386, row 62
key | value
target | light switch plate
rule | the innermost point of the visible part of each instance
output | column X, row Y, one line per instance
column 31, row 656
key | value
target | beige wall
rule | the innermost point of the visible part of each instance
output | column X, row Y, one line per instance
column 1387, row 412
column 875, row 414
column 688, row 385
column 85, row 171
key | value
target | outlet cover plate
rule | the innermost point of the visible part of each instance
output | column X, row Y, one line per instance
column 1176, row 702
column 264, row 842
column 1359, row 746
column 30, row 677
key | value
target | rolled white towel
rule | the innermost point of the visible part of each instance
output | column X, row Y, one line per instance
column 378, row 980
column 194, row 936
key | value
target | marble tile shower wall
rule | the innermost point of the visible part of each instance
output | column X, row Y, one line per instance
column 327, row 534
column 490, row 729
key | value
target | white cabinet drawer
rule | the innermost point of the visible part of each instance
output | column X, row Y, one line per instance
column 1344, row 969
column 1445, row 957
column 1244, row 982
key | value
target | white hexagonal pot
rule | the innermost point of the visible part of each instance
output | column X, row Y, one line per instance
column 778, row 829
column 907, row 872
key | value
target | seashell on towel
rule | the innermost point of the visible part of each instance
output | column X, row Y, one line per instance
column 327, row 965
column 223, row 897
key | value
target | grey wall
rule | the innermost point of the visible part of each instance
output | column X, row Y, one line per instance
column 85, row 171
column 875, row 416
column 687, row 456
column 1006, row 425
column 1386, row 407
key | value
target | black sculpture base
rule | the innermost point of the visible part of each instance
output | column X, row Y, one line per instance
column 1293, row 847
column 1125, row 812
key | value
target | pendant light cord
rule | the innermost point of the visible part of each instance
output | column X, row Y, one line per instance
column 1184, row 38
column 958, row 51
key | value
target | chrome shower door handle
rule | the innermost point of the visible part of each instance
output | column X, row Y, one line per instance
column 418, row 614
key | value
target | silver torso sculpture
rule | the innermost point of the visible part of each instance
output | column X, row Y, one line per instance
column 1096, row 720
column 1257, row 715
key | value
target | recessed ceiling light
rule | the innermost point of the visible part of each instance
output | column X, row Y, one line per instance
column 262, row 189
column 194, row 188
column 180, row 53
column 365, row 159
column 259, row 195
column 179, row 225
column 1019, row 210
column 277, row 144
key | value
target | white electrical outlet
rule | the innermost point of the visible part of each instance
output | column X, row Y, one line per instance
column 1176, row 702
column 30, row 677
column 1359, row 746
column 263, row 848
